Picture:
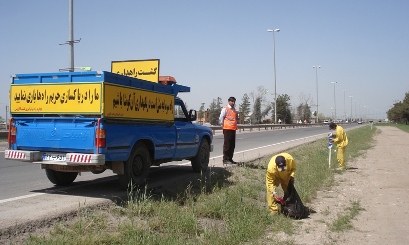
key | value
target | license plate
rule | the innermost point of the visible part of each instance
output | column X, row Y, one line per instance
column 54, row 157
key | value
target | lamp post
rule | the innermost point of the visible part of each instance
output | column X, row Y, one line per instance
column 360, row 111
column 275, row 77
column 356, row 112
column 316, row 82
column 350, row 115
column 345, row 110
column 335, row 103
column 332, row 112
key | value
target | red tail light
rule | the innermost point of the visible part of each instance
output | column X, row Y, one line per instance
column 12, row 135
column 12, row 132
column 100, row 138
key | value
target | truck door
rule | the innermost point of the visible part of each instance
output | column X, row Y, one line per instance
column 186, row 142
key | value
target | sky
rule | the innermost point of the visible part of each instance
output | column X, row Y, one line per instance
column 222, row 48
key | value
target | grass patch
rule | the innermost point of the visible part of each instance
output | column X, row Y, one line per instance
column 344, row 221
column 226, row 206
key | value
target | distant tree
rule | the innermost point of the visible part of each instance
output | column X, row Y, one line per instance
column 283, row 108
column 303, row 112
column 266, row 110
column 405, row 103
column 214, row 111
column 400, row 111
column 256, row 116
column 298, row 111
column 244, row 108
column 264, row 106
column 305, row 106
column 201, row 112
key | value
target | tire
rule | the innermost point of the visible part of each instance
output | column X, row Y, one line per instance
column 136, row 168
column 201, row 161
column 61, row 178
column 98, row 172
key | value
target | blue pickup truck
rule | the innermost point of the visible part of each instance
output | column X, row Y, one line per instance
column 72, row 122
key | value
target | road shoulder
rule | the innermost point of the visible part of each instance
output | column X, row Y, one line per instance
column 378, row 182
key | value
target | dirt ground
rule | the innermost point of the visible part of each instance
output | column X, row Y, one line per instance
column 379, row 181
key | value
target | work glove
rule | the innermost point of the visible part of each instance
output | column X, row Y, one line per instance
column 279, row 199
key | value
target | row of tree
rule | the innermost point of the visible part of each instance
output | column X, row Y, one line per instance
column 255, row 108
column 400, row 111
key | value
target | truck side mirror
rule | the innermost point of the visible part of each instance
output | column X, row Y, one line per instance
column 192, row 115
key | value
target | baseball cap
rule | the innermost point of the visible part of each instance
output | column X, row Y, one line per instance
column 232, row 99
column 280, row 161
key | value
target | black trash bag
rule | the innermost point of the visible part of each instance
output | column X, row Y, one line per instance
column 293, row 206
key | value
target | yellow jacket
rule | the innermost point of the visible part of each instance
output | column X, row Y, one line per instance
column 340, row 137
column 274, row 177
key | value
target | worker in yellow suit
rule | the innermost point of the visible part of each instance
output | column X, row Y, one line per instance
column 339, row 137
column 280, row 171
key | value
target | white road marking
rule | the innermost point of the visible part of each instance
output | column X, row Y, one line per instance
column 21, row 197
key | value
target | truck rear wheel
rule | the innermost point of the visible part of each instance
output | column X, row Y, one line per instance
column 61, row 178
column 201, row 161
column 136, row 168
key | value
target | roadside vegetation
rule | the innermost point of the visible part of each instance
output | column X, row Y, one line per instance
column 404, row 127
column 344, row 220
column 226, row 206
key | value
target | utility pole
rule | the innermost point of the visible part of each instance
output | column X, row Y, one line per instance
column 316, row 82
column 71, row 40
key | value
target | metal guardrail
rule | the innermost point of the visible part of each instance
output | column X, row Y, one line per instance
column 259, row 127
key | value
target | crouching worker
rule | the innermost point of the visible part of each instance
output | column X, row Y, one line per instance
column 280, row 171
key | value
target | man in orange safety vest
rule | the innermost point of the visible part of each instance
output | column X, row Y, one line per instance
column 228, row 119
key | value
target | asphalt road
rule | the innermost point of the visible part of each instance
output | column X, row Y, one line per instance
column 27, row 195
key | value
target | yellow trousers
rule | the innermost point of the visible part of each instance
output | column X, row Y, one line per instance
column 271, row 202
column 340, row 157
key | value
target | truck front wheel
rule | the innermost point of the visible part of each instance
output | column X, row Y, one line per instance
column 201, row 161
column 61, row 178
column 136, row 168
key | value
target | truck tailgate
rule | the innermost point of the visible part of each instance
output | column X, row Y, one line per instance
column 68, row 134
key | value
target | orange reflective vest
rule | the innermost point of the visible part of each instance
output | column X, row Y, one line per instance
column 230, row 120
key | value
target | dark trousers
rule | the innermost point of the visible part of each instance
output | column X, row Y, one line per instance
column 229, row 144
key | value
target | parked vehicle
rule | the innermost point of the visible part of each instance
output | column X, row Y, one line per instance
column 73, row 122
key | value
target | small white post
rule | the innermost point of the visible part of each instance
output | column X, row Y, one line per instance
column 329, row 149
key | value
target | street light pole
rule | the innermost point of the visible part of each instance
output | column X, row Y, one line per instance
column 71, row 40
column 335, row 103
column 356, row 112
column 316, row 82
column 345, row 110
column 350, row 116
column 275, row 76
